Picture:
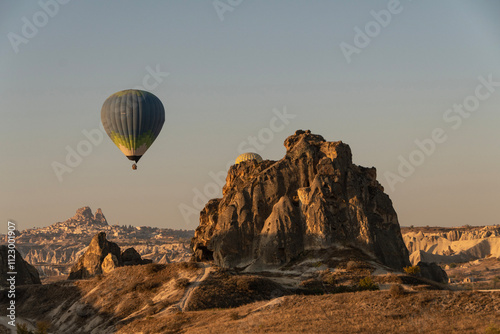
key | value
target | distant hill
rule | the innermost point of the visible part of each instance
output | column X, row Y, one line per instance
column 55, row 248
column 451, row 245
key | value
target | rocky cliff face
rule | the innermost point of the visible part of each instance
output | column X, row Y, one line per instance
column 453, row 244
column 25, row 272
column 313, row 198
column 102, row 256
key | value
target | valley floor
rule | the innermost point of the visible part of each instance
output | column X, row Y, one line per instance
column 149, row 298
column 359, row 312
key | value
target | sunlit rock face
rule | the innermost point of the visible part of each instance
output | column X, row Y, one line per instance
column 90, row 263
column 313, row 198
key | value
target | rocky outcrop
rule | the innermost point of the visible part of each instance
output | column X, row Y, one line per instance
column 454, row 245
column 130, row 257
column 84, row 216
column 103, row 256
column 313, row 198
column 90, row 263
column 433, row 272
column 25, row 272
column 109, row 263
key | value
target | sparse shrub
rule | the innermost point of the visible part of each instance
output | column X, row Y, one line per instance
column 492, row 329
column 397, row 291
column 452, row 265
column 23, row 329
column 412, row 270
column 42, row 327
column 411, row 226
column 234, row 316
column 367, row 283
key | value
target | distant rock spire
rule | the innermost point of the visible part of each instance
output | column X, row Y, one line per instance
column 99, row 217
column 84, row 216
column 83, row 213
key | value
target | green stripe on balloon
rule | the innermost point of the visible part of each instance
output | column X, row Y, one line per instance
column 132, row 142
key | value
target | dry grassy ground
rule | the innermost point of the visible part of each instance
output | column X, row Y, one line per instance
column 359, row 312
column 142, row 299
column 106, row 302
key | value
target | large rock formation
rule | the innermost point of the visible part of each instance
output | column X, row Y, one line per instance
column 103, row 256
column 90, row 263
column 313, row 198
column 25, row 272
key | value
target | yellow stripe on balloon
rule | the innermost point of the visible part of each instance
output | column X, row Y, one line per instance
column 248, row 156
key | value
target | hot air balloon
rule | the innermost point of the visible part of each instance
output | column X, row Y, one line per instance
column 248, row 156
column 133, row 119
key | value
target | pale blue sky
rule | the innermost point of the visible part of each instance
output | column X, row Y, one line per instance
column 225, row 78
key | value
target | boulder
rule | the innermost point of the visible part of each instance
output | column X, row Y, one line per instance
column 25, row 272
column 433, row 272
column 130, row 257
column 109, row 263
column 313, row 198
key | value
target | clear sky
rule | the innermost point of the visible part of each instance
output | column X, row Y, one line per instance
column 232, row 66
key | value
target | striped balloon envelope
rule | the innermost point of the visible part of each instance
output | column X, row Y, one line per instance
column 248, row 156
column 133, row 119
